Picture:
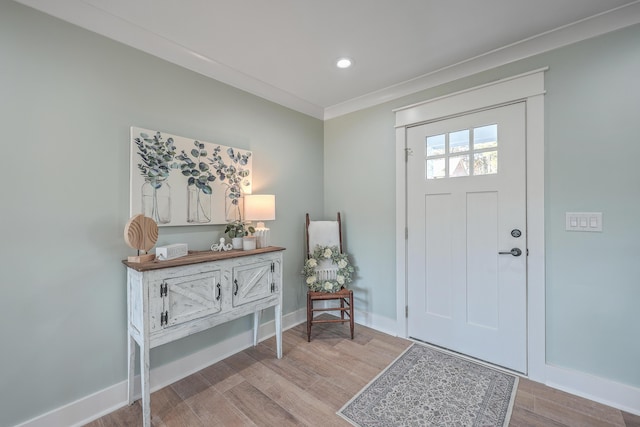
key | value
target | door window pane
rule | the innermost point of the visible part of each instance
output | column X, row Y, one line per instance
column 435, row 145
column 436, row 168
column 459, row 141
column 458, row 166
column 485, row 137
column 452, row 154
column 485, row 163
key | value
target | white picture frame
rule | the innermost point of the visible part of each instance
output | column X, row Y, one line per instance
column 162, row 160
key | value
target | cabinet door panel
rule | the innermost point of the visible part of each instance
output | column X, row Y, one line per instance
column 192, row 297
column 251, row 282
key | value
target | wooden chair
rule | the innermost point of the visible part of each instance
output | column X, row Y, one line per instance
column 327, row 233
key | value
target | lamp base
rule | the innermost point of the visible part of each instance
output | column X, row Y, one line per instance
column 262, row 237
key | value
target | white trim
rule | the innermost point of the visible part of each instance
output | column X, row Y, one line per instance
column 91, row 407
column 382, row 324
column 528, row 87
column 401, row 230
column 99, row 21
column 608, row 392
column 602, row 390
column 603, row 23
column 502, row 91
column 536, row 277
column 105, row 401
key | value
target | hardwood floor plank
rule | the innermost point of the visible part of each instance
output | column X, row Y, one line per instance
column 162, row 403
column 180, row 415
column 631, row 420
column 367, row 355
column 190, row 386
column 240, row 361
column 379, row 346
column 521, row 417
column 298, row 402
column 221, row 376
column 128, row 415
column 297, row 373
column 315, row 379
column 326, row 391
column 344, row 378
column 343, row 360
column 524, row 400
column 549, row 398
column 259, row 408
column 213, row 409
column 571, row 416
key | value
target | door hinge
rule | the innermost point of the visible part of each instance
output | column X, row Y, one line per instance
column 273, row 287
column 164, row 318
column 406, row 311
column 407, row 152
column 163, row 289
column 273, row 267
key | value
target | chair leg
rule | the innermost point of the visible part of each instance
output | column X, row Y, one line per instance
column 351, row 312
column 309, row 316
column 342, row 306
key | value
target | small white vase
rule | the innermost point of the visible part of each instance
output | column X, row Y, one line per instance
column 236, row 242
column 248, row 243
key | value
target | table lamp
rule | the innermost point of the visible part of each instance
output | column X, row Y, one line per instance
column 260, row 207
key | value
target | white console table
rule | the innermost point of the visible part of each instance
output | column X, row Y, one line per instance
column 168, row 300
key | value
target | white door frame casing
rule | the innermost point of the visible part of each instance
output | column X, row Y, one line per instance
column 527, row 87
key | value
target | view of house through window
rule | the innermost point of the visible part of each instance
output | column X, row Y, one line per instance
column 465, row 152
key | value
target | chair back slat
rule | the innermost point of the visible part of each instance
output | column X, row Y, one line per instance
column 323, row 233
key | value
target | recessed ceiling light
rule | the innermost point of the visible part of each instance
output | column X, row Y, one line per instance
column 344, row 63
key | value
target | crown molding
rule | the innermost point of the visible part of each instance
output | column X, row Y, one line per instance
column 99, row 21
column 596, row 25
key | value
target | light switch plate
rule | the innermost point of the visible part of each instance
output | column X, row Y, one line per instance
column 583, row 221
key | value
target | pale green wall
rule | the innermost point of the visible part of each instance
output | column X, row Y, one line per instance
column 592, row 108
column 67, row 99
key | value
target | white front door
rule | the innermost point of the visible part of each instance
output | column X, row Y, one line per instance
column 466, row 245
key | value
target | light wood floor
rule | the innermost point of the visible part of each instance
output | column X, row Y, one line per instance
column 314, row 380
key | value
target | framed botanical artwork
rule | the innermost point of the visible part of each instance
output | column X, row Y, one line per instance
column 180, row 181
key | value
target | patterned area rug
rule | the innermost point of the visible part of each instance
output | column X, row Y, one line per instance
column 428, row 387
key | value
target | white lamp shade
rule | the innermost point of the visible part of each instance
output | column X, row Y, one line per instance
column 260, row 207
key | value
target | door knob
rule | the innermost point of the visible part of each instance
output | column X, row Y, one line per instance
column 514, row 252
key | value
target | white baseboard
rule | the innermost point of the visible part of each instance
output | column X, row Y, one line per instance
column 89, row 408
column 602, row 390
column 379, row 323
column 373, row 321
column 94, row 406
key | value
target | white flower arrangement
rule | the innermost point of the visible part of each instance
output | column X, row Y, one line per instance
column 341, row 260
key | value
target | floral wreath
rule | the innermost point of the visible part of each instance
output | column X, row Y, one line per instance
column 341, row 260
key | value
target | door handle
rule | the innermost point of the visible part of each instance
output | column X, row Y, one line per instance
column 514, row 252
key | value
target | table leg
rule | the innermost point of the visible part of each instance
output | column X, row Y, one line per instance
column 256, row 325
column 144, row 381
column 278, row 315
column 131, row 369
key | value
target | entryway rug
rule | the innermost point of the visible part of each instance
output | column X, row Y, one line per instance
column 429, row 387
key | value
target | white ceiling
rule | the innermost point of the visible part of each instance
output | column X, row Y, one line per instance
column 285, row 50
